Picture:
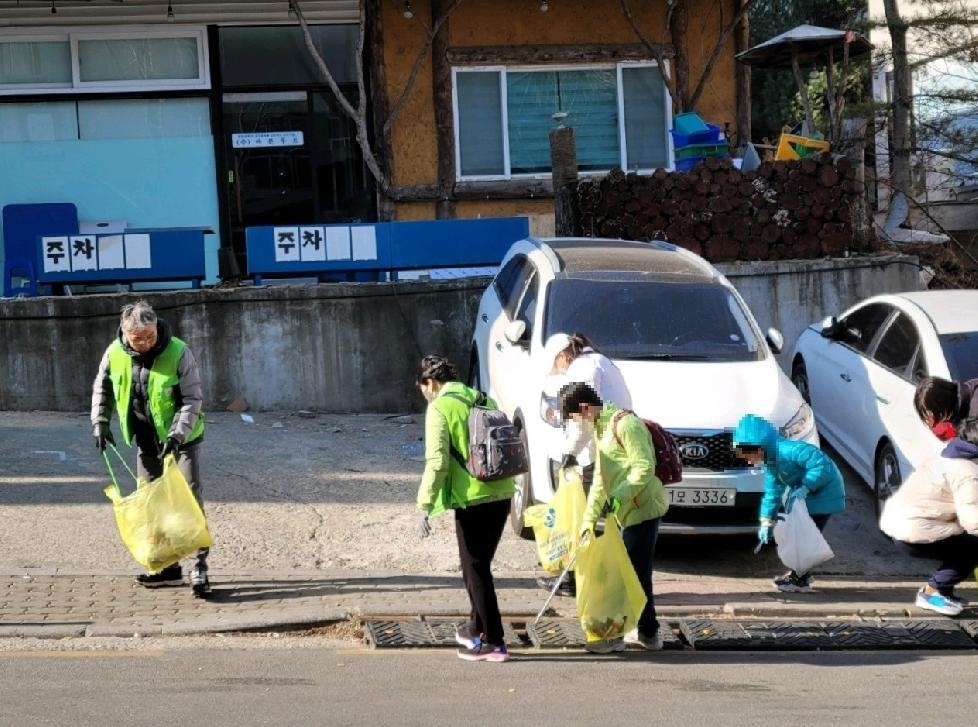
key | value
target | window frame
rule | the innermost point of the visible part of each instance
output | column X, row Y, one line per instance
column 201, row 83
column 504, row 70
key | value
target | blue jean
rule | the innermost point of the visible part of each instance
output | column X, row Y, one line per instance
column 640, row 544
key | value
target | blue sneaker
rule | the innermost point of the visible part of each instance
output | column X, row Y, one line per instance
column 485, row 652
column 466, row 638
column 939, row 603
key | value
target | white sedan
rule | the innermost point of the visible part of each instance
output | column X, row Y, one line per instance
column 859, row 371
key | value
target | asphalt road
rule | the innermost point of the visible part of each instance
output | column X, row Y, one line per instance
column 260, row 683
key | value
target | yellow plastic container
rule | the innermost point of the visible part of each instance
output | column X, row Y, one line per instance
column 792, row 146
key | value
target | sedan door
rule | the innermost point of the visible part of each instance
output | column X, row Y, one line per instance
column 839, row 382
column 891, row 371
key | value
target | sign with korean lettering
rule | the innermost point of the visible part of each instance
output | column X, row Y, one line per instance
column 267, row 139
column 78, row 253
column 324, row 243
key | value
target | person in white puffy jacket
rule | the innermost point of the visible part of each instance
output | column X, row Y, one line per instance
column 574, row 358
column 934, row 514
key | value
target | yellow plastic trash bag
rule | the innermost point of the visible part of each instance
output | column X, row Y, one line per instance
column 557, row 524
column 160, row 521
column 610, row 599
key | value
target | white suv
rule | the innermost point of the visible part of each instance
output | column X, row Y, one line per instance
column 688, row 347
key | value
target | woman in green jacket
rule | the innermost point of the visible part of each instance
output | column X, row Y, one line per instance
column 481, row 508
column 624, row 478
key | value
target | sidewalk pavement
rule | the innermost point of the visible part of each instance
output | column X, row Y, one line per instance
column 54, row 603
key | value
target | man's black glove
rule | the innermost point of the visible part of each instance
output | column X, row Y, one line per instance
column 170, row 447
column 569, row 461
column 102, row 434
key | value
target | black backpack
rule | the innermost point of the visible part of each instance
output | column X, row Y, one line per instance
column 496, row 450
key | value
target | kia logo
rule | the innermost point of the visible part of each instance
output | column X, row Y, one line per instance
column 694, row 450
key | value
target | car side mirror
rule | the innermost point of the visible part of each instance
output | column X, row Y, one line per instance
column 515, row 332
column 830, row 327
column 775, row 340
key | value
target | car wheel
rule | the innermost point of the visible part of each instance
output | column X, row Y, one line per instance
column 522, row 498
column 799, row 377
column 887, row 476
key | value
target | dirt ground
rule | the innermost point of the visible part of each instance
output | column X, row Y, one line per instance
column 295, row 491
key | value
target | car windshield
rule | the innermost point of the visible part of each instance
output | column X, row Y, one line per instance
column 653, row 319
column 961, row 352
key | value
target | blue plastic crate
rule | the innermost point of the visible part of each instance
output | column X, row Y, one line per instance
column 688, row 123
column 710, row 136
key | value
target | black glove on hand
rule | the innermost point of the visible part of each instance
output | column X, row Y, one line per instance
column 103, row 434
column 170, row 447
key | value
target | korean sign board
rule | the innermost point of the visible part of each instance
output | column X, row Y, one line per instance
column 76, row 253
column 321, row 244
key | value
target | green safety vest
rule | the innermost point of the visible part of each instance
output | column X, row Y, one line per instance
column 162, row 379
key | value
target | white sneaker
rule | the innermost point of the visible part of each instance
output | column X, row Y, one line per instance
column 939, row 603
column 649, row 643
column 605, row 646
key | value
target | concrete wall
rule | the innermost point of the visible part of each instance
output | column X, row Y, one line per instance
column 790, row 295
column 347, row 346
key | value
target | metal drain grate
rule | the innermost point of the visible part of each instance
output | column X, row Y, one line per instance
column 421, row 632
column 566, row 633
column 819, row 636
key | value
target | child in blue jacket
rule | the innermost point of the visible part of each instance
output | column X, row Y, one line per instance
column 793, row 470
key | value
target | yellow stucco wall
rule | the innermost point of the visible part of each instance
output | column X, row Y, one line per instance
column 515, row 22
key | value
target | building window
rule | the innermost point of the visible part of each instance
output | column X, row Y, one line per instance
column 504, row 117
column 103, row 60
column 104, row 119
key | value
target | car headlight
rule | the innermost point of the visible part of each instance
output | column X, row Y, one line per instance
column 800, row 424
column 550, row 411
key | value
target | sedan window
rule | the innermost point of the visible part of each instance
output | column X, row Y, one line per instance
column 860, row 327
column 897, row 345
column 961, row 352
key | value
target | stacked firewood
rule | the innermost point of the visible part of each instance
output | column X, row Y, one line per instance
column 781, row 210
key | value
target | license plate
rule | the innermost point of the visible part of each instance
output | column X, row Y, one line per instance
column 701, row 496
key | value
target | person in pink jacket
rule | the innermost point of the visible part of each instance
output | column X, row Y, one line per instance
column 934, row 515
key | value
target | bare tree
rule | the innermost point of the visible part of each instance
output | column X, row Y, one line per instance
column 677, row 80
column 379, row 166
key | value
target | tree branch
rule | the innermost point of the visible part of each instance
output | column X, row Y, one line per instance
column 430, row 34
column 717, row 48
column 358, row 115
column 655, row 50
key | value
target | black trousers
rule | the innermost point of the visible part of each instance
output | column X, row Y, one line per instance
column 478, row 529
column 958, row 556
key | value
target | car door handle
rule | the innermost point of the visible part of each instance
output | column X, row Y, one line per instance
column 485, row 318
column 499, row 345
column 845, row 377
column 882, row 399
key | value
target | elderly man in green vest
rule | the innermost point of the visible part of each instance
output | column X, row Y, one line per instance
column 150, row 378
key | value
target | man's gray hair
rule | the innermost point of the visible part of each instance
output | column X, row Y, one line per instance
column 137, row 315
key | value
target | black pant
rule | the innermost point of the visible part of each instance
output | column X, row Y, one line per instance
column 640, row 544
column 478, row 529
column 958, row 555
